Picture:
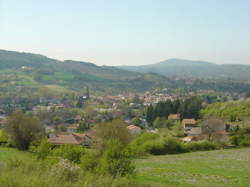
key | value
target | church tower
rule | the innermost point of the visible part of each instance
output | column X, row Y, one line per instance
column 87, row 92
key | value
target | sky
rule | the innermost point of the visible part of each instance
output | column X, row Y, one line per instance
column 128, row 32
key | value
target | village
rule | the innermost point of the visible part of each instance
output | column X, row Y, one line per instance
column 72, row 122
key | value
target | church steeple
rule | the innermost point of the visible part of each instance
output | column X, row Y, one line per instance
column 87, row 92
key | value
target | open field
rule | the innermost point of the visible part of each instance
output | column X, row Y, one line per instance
column 7, row 154
column 208, row 168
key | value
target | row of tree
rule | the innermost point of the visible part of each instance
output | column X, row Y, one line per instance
column 188, row 108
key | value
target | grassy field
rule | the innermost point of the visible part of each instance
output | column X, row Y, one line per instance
column 207, row 168
column 7, row 154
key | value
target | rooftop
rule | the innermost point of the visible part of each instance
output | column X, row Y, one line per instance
column 74, row 139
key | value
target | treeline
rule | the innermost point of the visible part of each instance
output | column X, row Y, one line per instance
column 229, row 111
column 188, row 108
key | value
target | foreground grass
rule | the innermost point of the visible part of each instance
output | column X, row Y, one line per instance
column 207, row 168
column 22, row 169
column 7, row 154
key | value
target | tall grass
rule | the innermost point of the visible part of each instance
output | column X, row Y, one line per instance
column 31, row 172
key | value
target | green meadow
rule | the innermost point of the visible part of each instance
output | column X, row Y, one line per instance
column 228, row 167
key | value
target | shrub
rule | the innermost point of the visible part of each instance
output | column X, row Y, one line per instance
column 167, row 145
column 177, row 130
column 245, row 141
column 71, row 152
column 64, row 170
column 241, row 137
column 115, row 129
column 201, row 146
column 245, row 130
column 43, row 150
column 90, row 160
column 154, row 147
column 3, row 137
column 137, row 146
column 116, row 161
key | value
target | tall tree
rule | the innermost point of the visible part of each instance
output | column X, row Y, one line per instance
column 23, row 129
column 114, row 130
column 213, row 128
column 150, row 114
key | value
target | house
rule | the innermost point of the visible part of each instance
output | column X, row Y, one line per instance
column 71, row 139
column 188, row 124
column 195, row 131
column 71, row 129
column 174, row 117
column 3, row 121
column 189, row 139
column 193, row 138
column 49, row 129
column 2, row 112
column 78, row 118
column 134, row 129
column 155, row 131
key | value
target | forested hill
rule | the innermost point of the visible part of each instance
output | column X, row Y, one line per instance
column 34, row 70
column 26, row 72
column 194, row 69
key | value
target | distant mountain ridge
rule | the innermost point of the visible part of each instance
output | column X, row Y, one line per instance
column 27, row 69
column 194, row 69
column 25, row 73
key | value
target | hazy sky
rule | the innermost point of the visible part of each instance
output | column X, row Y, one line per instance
column 132, row 32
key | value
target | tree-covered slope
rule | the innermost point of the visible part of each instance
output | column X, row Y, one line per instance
column 26, row 69
column 194, row 69
column 25, row 72
column 231, row 111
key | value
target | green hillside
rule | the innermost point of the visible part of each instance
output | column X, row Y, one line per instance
column 194, row 69
column 24, row 73
column 28, row 70
column 230, row 111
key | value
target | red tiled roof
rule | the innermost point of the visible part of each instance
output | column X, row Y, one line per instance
column 133, row 127
column 74, row 139
column 189, row 121
column 72, row 127
column 173, row 116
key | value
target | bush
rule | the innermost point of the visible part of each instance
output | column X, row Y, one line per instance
column 116, row 161
column 245, row 130
column 245, row 141
column 168, row 145
column 177, row 130
column 72, row 153
column 201, row 146
column 241, row 137
column 137, row 146
column 115, row 129
column 242, row 140
column 236, row 139
column 3, row 137
column 30, row 172
column 90, row 160
column 64, row 170
column 43, row 150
